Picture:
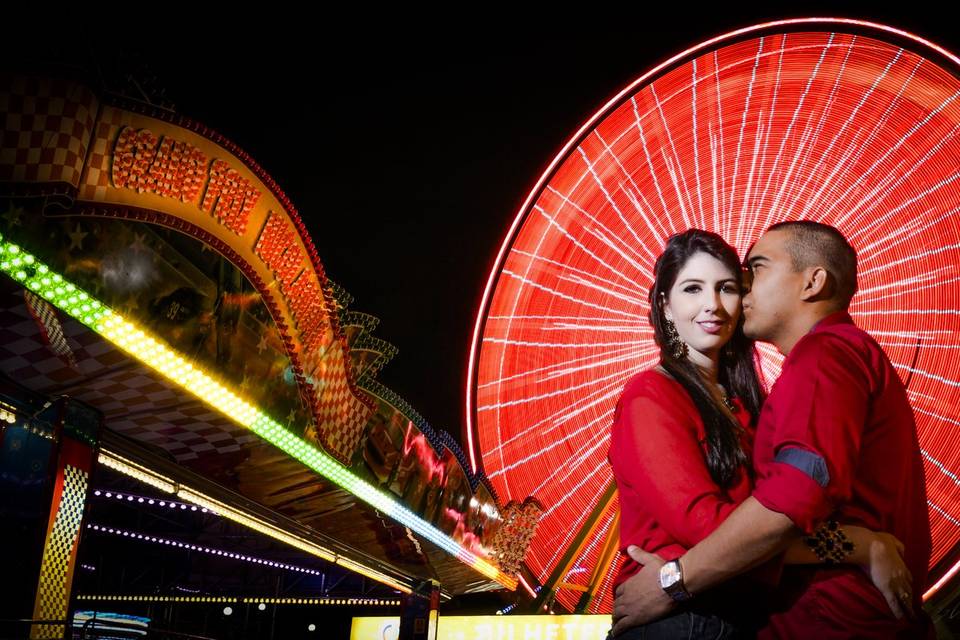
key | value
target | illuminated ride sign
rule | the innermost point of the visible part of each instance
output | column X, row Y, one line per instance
column 852, row 124
column 142, row 165
column 541, row 627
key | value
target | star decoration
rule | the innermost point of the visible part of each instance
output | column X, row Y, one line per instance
column 76, row 238
column 12, row 216
column 262, row 344
column 139, row 243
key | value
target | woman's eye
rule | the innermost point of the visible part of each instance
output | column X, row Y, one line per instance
column 691, row 289
column 729, row 288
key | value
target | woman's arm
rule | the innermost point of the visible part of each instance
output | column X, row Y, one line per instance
column 879, row 554
column 658, row 461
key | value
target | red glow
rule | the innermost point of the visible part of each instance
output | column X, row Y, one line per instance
column 241, row 300
column 278, row 248
column 424, row 453
column 229, row 196
column 729, row 136
column 463, row 535
column 533, row 594
column 168, row 167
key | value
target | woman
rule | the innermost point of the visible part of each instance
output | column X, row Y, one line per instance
column 681, row 440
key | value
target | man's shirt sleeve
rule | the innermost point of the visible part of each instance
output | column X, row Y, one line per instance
column 818, row 416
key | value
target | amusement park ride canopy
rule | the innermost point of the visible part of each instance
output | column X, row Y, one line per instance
column 154, row 271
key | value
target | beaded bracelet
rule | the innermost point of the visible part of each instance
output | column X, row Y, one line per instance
column 830, row 543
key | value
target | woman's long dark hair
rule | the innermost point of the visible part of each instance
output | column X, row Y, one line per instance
column 738, row 366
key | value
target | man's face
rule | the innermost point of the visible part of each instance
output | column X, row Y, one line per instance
column 775, row 290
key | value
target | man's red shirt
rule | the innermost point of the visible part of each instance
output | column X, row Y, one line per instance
column 837, row 440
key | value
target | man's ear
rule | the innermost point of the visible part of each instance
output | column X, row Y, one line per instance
column 818, row 284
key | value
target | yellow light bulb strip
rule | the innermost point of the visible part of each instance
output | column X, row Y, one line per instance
column 122, row 465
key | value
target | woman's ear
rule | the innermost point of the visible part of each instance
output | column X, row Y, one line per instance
column 665, row 307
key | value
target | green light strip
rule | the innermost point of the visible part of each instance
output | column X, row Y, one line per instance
column 37, row 277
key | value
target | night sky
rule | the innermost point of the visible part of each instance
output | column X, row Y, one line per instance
column 408, row 149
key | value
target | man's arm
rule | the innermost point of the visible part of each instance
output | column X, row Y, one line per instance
column 750, row 536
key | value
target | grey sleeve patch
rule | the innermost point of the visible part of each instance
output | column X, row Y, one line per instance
column 807, row 462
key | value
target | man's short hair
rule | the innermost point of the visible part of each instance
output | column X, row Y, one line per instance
column 814, row 244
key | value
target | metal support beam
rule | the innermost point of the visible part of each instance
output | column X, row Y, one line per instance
column 607, row 555
column 590, row 525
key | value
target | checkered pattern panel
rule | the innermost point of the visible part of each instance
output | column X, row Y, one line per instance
column 341, row 416
column 52, row 591
column 50, row 326
column 47, row 126
column 135, row 400
column 187, row 431
column 26, row 357
column 96, row 176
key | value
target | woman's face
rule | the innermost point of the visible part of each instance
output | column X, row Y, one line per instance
column 704, row 305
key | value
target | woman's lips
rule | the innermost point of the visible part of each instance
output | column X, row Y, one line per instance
column 712, row 326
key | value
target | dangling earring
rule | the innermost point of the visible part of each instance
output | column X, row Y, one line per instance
column 678, row 348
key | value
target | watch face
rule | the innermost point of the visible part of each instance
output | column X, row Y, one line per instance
column 669, row 575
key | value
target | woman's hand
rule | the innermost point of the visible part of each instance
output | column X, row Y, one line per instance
column 879, row 554
column 889, row 573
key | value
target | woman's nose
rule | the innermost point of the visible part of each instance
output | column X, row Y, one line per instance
column 711, row 302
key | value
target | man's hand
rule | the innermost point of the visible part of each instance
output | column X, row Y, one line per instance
column 640, row 599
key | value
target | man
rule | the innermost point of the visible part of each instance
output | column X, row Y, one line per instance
column 836, row 439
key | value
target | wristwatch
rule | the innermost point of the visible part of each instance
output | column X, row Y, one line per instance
column 671, row 581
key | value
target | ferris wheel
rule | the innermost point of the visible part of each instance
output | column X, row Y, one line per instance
column 848, row 123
